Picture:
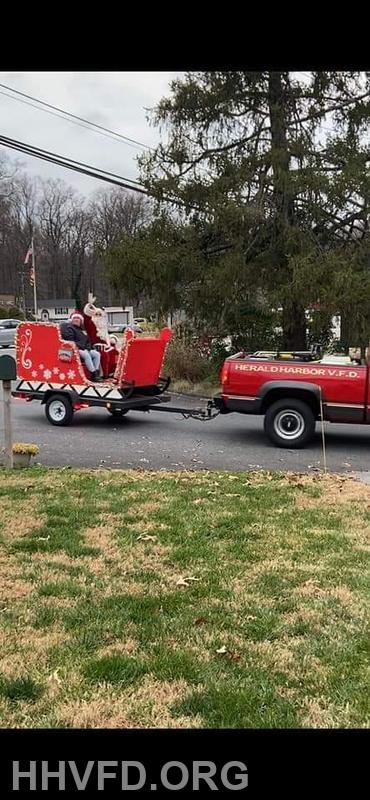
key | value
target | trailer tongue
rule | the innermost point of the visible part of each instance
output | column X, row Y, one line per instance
column 207, row 412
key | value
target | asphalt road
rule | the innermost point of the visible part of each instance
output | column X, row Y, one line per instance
column 157, row 440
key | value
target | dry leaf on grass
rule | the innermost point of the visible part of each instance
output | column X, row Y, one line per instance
column 185, row 581
column 55, row 677
column 182, row 582
column 54, row 683
column 222, row 651
column 145, row 537
column 234, row 656
column 201, row 621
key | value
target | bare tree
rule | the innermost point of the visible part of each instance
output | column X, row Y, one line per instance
column 54, row 212
column 114, row 213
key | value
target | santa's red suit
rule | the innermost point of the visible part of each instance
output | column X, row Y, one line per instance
column 109, row 352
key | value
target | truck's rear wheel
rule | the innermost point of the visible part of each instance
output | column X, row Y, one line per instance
column 58, row 410
column 290, row 423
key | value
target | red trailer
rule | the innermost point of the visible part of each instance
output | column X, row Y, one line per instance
column 50, row 369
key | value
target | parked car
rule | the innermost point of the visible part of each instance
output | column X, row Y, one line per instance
column 8, row 329
column 134, row 327
column 141, row 321
column 120, row 328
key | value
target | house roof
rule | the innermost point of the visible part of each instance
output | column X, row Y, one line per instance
column 57, row 302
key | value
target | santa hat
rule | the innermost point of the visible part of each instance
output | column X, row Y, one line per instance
column 76, row 315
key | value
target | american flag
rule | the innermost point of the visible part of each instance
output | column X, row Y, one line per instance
column 29, row 253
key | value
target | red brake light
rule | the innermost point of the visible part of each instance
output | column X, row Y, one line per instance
column 224, row 374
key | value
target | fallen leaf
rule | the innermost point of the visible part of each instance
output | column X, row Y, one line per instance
column 54, row 683
column 201, row 621
column 185, row 581
column 221, row 650
column 55, row 677
column 145, row 537
column 234, row 656
column 182, row 582
column 42, row 538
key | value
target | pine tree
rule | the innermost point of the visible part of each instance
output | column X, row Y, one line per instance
column 272, row 170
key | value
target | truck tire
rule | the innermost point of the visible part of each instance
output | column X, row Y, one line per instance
column 58, row 410
column 290, row 423
column 118, row 412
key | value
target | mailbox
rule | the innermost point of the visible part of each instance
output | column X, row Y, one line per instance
column 8, row 370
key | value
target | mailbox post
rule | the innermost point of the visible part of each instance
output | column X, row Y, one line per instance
column 8, row 373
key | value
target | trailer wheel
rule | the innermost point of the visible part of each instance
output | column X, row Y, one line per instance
column 118, row 412
column 290, row 423
column 58, row 410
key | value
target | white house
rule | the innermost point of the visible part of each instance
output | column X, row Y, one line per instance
column 117, row 315
column 55, row 310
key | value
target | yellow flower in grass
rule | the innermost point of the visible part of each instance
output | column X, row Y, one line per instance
column 25, row 448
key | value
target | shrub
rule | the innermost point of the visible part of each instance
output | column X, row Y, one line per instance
column 11, row 312
column 183, row 361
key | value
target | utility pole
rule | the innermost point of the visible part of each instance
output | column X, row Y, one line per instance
column 23, row 295
column 33, row 279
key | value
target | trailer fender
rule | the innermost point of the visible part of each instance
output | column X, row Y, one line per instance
column 73, row 396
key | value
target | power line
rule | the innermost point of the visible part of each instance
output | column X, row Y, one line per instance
column 74, row 116
column 65, row 158
column 77, row 166
column 65, row 119
column 84, row 169
column 103, row 131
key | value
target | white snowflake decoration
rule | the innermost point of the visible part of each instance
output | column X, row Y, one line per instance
column 41, row 366
column 71, row 374
column 62, row 376
column 34, row 373
column 47, row 374
column 55, row 370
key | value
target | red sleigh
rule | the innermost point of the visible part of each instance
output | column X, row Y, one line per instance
column 43, row 358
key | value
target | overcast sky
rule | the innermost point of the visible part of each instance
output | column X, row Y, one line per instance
column 116, row 100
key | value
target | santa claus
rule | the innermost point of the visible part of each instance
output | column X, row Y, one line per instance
column 96, row 326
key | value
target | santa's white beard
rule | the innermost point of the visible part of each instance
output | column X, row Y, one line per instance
column 101, row 325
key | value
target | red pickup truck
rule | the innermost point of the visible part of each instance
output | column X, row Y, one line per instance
column 293, row 394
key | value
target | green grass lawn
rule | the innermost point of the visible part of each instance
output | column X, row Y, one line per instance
column 132, row 599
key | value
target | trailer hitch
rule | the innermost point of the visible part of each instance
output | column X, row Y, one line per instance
column 203, row 414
